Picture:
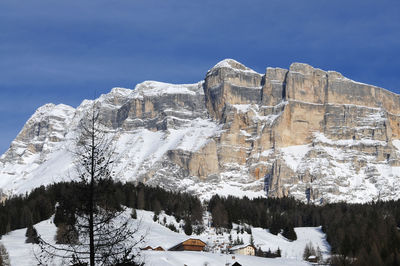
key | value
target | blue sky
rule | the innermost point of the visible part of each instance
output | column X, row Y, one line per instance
column 66, row 51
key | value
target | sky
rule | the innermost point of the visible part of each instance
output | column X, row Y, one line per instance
column 66, row 51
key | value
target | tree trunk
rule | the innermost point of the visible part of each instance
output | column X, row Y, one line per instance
column 91, row 192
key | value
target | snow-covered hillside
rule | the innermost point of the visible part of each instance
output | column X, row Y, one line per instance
column 22, row 254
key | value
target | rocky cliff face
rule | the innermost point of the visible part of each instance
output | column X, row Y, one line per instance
column 237, row 132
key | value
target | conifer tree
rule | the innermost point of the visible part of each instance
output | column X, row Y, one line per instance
column 188, row 227
column 31, row 235
column 308, row 251
column 219, row 215
column 134, row 214
column 4, row 257
column 289, row 233
column 67, row 234
column 237, row 241
column 278, row 252
column 275, row 225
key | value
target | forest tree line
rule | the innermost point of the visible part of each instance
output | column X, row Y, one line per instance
column 24, row 210
column 359, row 234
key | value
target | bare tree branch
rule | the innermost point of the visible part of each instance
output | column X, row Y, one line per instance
column 102, row 233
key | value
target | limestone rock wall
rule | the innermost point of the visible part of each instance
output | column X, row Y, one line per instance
column 274, row 89
column 230, row 83
column 338, row 124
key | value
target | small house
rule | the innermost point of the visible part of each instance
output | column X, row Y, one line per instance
column 159, row 248
column 190, row 244
column 312, row 258
column 244, row 250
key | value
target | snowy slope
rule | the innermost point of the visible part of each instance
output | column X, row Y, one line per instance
column 22, row 254
column 42, row 152
column 155, row 258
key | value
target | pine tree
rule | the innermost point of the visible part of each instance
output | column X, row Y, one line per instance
column 345, row 246
column 31, row 235
column 26, row 217
column 308, row 251
column 278, row 252
column 4, row 257
column 141, row 200
column 269, row 253
column 66, row 234
column 259, row 252
column 237, row 241
column 188, row 227
column 156, row 206
column 252, row 240
column 275, row 225
column 374, row 257
column 289, row 233
column 134, row 214
column 219, row 215
column 172, row 227
column 8, row 227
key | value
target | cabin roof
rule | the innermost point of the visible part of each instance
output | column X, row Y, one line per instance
column 194, row 239
column 182, row 243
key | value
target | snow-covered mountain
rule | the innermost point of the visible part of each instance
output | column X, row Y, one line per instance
column 232, row 133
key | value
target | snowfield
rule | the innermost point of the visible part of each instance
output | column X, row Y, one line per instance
column 156, row 234
column 192, row 258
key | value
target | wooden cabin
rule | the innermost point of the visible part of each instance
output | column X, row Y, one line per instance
column 190, row 244
column 312, row 258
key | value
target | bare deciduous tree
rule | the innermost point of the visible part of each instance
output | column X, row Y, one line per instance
column 99, row 231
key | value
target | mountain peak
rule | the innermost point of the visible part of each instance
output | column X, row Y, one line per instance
column 121, row 91
column 157, row 88
column 51, row 109
column 232, row 64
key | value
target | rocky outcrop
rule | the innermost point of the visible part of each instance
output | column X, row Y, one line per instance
column 230, row 82
column 41, row 133
column 237, row 132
